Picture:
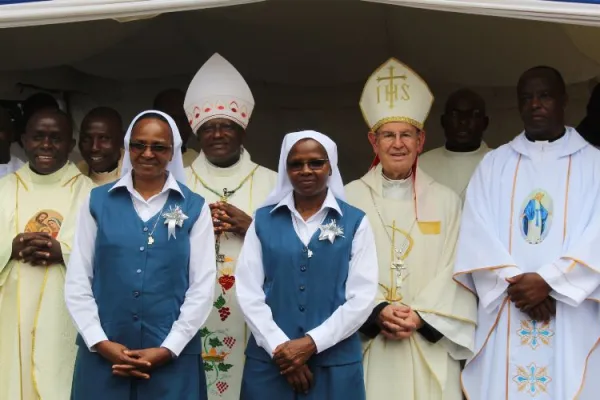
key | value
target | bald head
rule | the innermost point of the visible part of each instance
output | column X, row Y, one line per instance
column 542, row 98
column 101, row 139
column 170, row 102
column 6, row 135
column 464, row 121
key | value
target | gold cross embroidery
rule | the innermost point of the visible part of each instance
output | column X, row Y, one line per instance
column 391, row 87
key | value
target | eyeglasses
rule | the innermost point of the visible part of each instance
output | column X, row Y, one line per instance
column 139, row 147
column 313, row 165
column 389, row 137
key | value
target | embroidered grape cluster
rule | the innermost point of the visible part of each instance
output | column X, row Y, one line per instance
column 224, row 313
column 222, row 386
column 229, row 341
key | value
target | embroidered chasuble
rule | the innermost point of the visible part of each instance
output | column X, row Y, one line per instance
column 533, row 207
column 452, row 169
column 225, row 333
column 416, row 368
column 101, row 178
column 37, row 337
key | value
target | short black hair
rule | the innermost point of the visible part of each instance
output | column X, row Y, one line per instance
column 52, row 111
column 545, row 68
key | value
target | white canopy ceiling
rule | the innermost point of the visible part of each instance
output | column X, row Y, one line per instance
column 306, row 60
column 308, row 43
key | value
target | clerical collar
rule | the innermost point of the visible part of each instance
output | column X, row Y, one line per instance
column 49, row 179
column 482, row 147
column 397, row 189
column 227, row 171
column 547, row 141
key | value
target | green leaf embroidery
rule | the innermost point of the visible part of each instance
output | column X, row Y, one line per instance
column 204, row 332
column 215, row 342
column 224, row 367
column 220, row 302
column 208, row 367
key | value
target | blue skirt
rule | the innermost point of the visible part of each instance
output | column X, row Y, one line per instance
column 262, row 381
column 181, row 379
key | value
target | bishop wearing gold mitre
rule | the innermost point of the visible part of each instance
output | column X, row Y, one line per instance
column 422, row 322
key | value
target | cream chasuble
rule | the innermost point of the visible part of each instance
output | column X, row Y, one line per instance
column 189, row 157
column 533, row 207
column 452, row 169
column 37, row 337
column 225, row 334
column 415, row 368
column 101, row 178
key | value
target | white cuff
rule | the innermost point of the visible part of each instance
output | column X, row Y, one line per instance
column 93, row 335
column 175, row 342
column 563, row 290
column 273, row 340
column 322, row 338
column 493, row 298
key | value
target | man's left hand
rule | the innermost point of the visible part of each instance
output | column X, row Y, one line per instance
column 293, row 354
column 47, row 252
column 156, row 356
column 527, row 290
column 229, row 218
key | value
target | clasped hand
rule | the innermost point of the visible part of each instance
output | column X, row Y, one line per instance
column 36, row 248
column 291, row 357
column 133, row 363
column 531, row 294
column 398, row 322
column 228, row 218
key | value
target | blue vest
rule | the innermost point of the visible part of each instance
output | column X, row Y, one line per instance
column 139, row 288
column 303, row 292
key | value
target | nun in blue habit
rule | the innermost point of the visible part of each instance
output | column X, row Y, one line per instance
column 306, row 281
column 140, row 280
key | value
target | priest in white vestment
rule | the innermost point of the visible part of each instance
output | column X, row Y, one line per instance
column 219, row 104
column 423, row 322
column 8, row 162
column 529, row 249
column 101, row 145
column 464, row 122
column 37, row 217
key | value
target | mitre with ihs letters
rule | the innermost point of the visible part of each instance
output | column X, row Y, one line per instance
column 395, row 93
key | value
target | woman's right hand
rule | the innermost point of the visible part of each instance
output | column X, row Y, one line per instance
column 128, row 366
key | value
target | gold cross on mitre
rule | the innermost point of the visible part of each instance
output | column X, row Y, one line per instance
column 395, row 93
column 391, row 87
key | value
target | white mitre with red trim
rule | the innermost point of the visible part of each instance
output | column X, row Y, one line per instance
column 218, row 91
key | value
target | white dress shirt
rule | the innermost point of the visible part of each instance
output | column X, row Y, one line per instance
column 13, row 165
column 361, row 285
column 202, row 271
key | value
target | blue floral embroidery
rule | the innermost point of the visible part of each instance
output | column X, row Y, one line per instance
column 534, row 333
column 532, row 379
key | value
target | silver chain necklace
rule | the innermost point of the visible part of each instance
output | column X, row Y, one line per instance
column 397, row 265
column 150, row 235
column 295, row 224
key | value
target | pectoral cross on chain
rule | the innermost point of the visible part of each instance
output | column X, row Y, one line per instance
column 399, row 267
column 226, row 194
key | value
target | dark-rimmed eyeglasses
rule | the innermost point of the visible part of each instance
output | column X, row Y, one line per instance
column 313, row 165
column 140, row 147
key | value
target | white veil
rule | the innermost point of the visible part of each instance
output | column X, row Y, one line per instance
column 284, row 185
column 175, row 166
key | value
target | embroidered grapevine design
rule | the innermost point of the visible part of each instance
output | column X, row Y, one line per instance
column 216, row 346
